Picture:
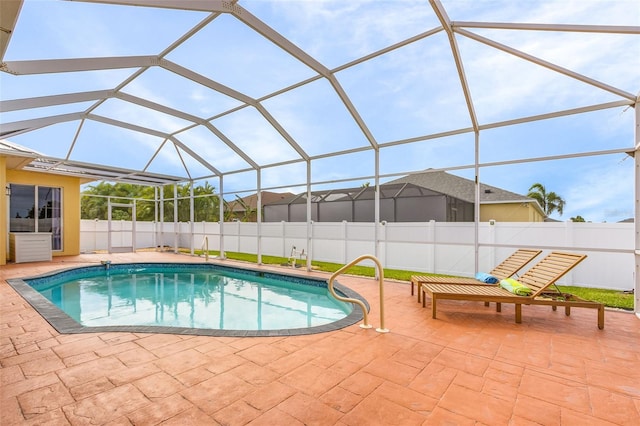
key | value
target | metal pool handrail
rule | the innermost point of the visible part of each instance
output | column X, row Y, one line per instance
column 365, row 323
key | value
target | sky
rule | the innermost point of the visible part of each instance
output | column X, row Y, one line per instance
column 401, row 97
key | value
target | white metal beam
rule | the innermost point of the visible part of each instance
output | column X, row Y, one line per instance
column 9, row 12
column 267, row 115
column 155, row 154
column 195, row 5
column 47, row 101
column 259, row 214
column 50, row 66
column 158, row 107
column 556, row 114
column 605, row 29
column 636, row 224
column 388, row 49
column 213, row 129
column 521, row 120
column 195, row 155
column 93, row 64
column 547, row 64
column 75, row 139
column 200, row 79
column 353, row 111
column 545, row 158
column 455, row 51
column 184, row 165
column 260, row 27
column 76, row 168
column 125, row 125
column 204, row 81
column 38, row 123
column 20, row 104
column 153, row 132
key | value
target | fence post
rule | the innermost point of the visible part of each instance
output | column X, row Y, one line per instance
column 238, row 236
column 382, row 242
column 492, row 241
column 284, row 238
column 431, row 237
column 568, row 242
column 345, row 242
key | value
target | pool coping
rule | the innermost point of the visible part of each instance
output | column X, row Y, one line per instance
column 64, row 324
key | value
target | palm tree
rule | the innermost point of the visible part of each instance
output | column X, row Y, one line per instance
column 549, row 201
column 205, row 202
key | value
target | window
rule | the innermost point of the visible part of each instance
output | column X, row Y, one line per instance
column 36, row 209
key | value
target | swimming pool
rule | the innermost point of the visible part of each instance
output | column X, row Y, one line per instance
column 186, row 298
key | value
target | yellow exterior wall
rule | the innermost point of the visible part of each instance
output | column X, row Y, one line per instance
column 510, row 212
column 70, row 206
column 535, row 215
column 3, row 211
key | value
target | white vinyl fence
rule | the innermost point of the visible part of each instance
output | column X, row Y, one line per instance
column 442, row 247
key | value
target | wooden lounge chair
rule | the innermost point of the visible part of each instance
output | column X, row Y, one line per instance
column 539, row 279
column 507, row 268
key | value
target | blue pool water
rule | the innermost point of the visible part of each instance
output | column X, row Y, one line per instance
column 194, row 296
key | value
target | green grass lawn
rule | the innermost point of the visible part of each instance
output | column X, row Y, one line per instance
column 610, row 298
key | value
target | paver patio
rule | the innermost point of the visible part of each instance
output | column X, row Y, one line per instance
column 470, row 366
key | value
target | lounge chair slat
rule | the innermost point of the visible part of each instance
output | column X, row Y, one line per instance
column 507, row 268
column 538, row 278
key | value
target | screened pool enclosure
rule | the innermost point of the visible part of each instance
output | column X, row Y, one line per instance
column 303, row 96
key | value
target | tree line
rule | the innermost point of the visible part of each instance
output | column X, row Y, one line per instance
column 94, row 202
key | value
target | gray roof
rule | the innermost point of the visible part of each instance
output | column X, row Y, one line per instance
column 388, row 190
column 461, row 188
column 429, row 182
column 268, row 197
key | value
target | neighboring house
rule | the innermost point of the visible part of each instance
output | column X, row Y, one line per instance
column 240, row 206
column 495, row 203
column 421, row 197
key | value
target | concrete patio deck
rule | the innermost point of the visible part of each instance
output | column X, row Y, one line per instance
column 470, row 366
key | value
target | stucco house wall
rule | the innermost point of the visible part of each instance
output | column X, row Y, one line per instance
column 510, row 212
column 3, row 210
column 70, row 206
